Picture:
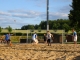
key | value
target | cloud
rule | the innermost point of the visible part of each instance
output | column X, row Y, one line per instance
column 1, row 18
column 25, row 14
column 63, row 13
column 9, row 21
column 6, row 21
column 58, row 15
column 55, row 15
column 4, row 13
column 17, row 11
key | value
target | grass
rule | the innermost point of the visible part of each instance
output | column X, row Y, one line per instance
column 28, row 31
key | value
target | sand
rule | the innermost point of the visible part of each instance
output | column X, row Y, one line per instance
column 39, row 52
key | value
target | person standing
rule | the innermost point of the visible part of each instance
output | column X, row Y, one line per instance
column 74, row 36
column 49, row 37
column 7, row 38
column 45, row 38
column 34, row 38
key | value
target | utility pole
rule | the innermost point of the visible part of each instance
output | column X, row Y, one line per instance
column 47, row 15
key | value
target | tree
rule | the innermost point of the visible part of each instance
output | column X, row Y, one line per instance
column 55, row 26
column 43, row 24
column 39, row 29
column 66, row 27
column 9, row 29
column 24, row 27
column 36, row 26
column 74, row 15
column 0, row 29
column 31, row 27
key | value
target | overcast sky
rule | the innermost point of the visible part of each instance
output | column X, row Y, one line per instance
column 18, row 13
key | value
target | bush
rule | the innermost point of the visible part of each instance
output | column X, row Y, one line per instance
column 18, row 34
column 41, row 34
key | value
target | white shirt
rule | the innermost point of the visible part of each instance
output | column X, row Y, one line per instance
column 34, row 36
column 49, row 36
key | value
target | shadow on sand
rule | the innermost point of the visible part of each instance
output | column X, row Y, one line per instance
column 77, row 58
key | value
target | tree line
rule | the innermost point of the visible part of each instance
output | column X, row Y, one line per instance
column 53, row 25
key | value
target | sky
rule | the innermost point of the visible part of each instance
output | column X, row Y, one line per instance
column 17, row 13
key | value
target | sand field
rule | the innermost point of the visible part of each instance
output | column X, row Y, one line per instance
column 39, row 52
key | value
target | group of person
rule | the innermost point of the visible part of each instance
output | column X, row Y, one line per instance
column 47, row 38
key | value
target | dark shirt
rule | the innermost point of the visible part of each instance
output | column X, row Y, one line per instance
column 44, row 38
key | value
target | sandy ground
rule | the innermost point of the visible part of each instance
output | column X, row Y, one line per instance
column 39, row 52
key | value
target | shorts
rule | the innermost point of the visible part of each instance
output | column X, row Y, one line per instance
column 49, row 40
column 8, row 41
column 75, row 38
column 44, row 39
column 35, row 40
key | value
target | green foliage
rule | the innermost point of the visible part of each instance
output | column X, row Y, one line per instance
column 9, row 29
column 18, row 34
column 40, row 34
column 53, row 24
column 36, row 26
column 43, row 24
column 25, row 27
column 32, row 30
column 30, row 26
column 39, row 29
column 0, row 29
column 74, row 15
column 66, row 27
